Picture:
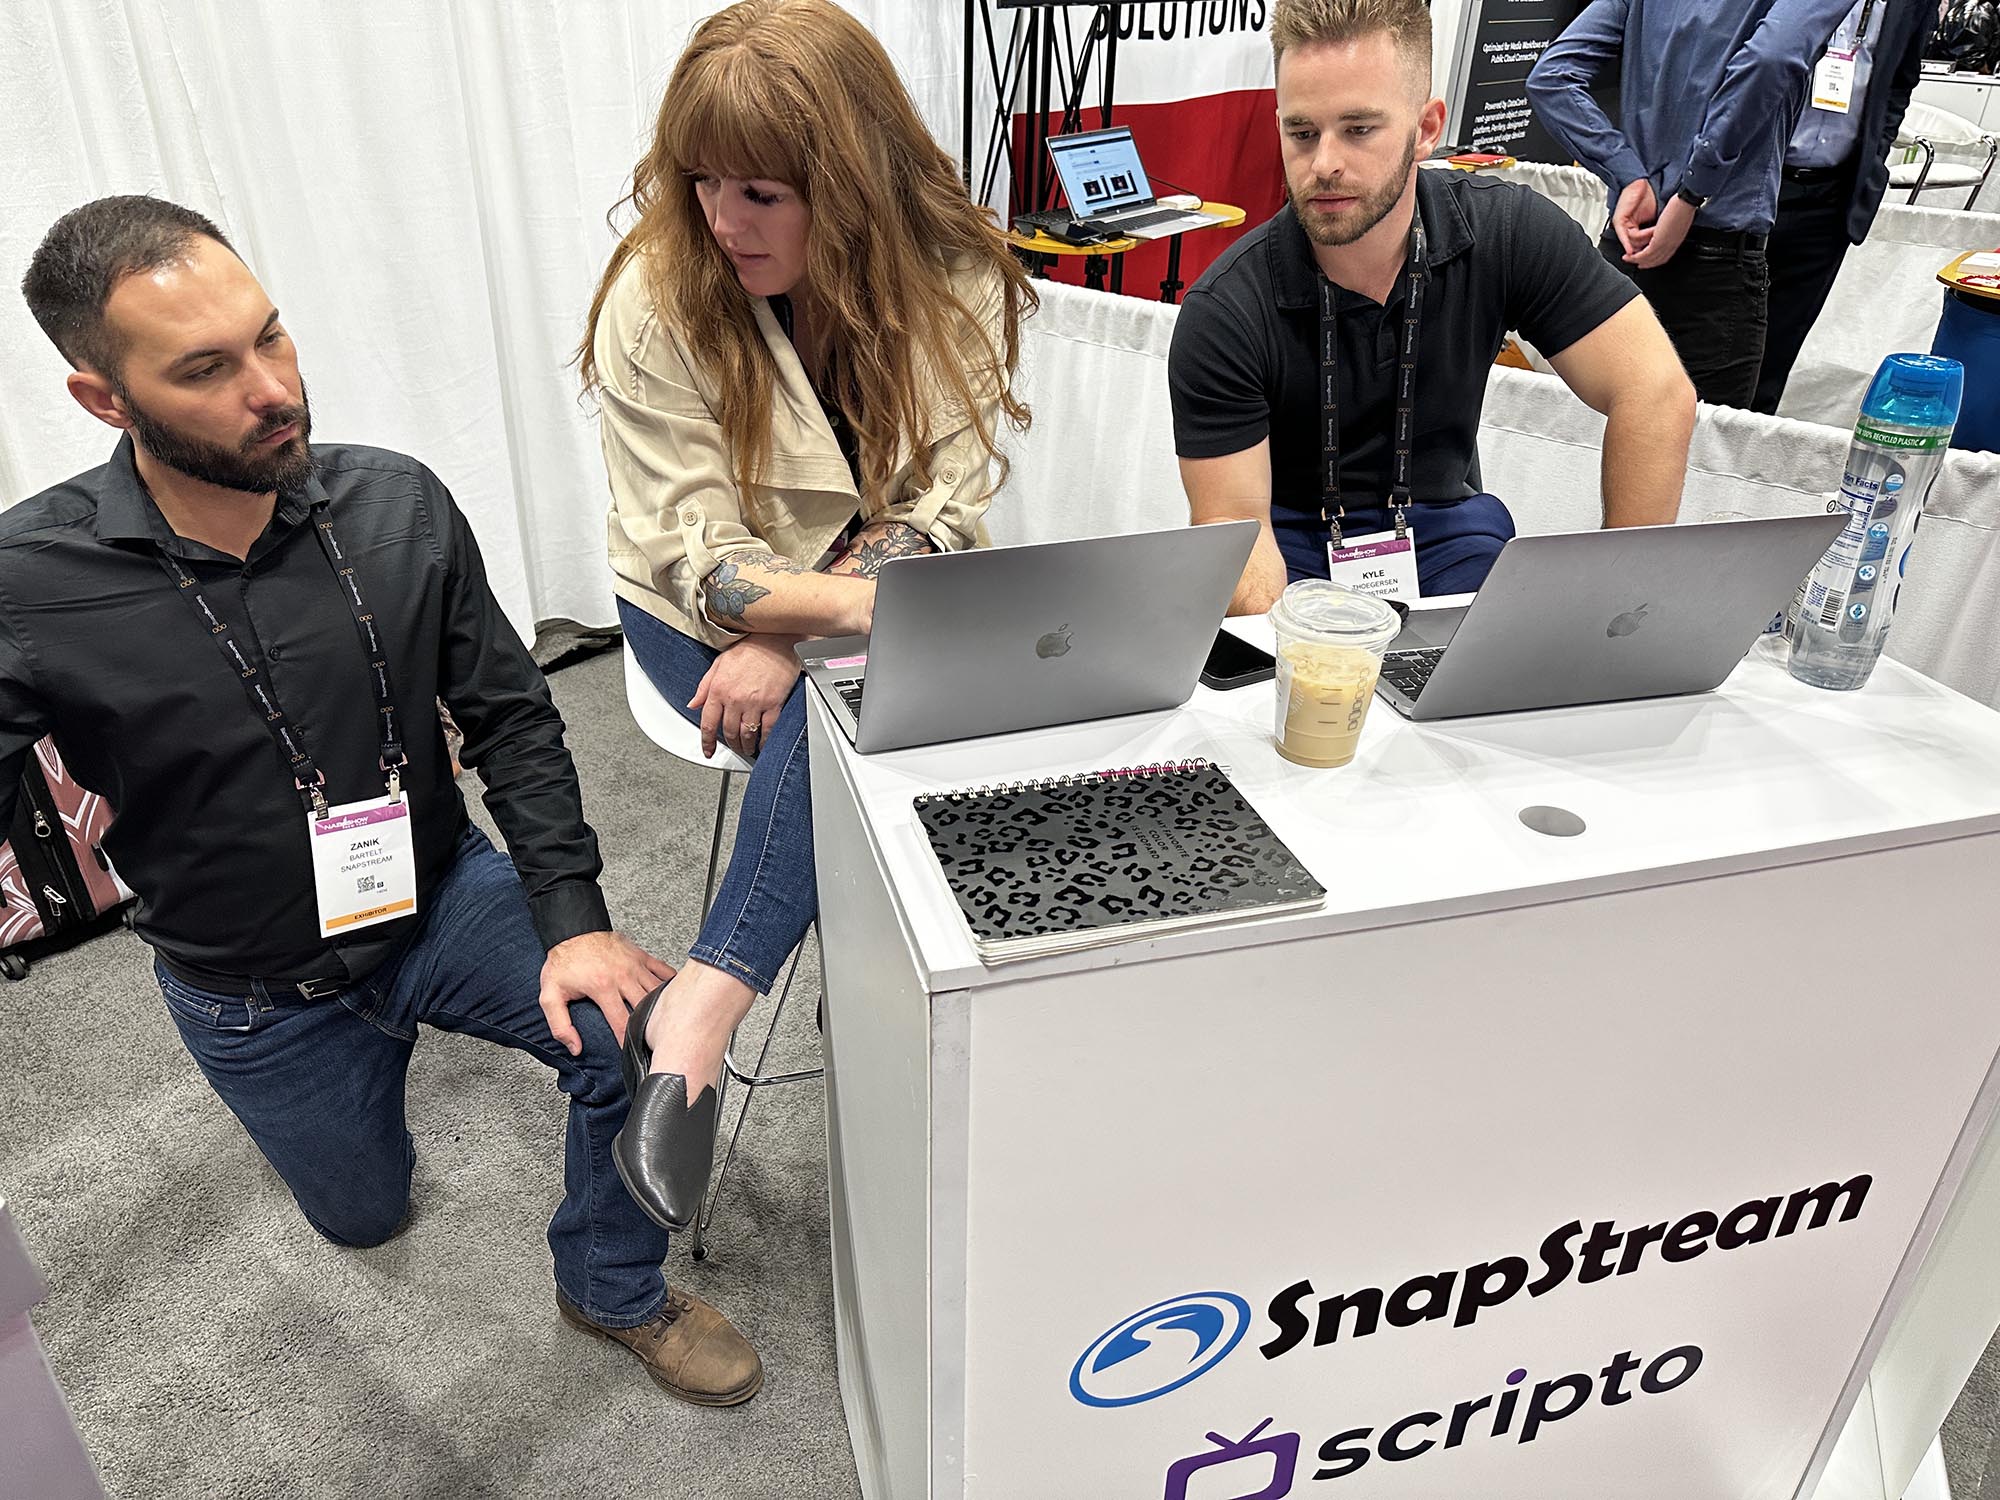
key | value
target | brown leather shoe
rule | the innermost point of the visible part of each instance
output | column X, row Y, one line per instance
column 690, row 1349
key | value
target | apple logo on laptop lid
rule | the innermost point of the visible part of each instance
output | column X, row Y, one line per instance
column 1628, row 622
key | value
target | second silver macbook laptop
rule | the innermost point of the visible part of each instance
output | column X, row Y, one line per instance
column 1604, row 616
column 1006, row 638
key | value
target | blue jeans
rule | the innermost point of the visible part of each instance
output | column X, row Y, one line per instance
column 319, row 1083
column 769, row 895
column 1457, row 540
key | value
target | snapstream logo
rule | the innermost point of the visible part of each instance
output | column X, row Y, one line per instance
column 1164, row 1347
column 1147, row 1355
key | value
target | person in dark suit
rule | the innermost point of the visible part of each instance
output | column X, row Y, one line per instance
column 1837, row 171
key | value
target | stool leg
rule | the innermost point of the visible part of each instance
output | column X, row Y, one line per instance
column 749, row 1094
column 707, row 1214
column 715, row 845
column 707, row 901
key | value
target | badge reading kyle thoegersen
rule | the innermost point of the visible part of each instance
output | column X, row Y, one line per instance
column 1382, row 566
column 364, row 865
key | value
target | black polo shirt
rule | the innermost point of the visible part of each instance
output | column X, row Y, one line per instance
column 1245, row 359
column 98, row 649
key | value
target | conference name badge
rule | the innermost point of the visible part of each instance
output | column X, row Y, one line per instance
column 1383, row 565
column 1833, row 83
column 364, row 864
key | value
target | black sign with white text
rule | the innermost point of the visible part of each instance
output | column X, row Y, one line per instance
column 1504, row 41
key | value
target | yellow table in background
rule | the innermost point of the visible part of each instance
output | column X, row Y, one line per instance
column 1038, row 250
column 1974, row 263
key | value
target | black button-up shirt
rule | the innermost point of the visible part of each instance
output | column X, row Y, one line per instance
column 98, row 649
column 1245, row 359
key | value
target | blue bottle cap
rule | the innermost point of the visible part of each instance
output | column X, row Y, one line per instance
column 1925, row 374
column 1927, row 379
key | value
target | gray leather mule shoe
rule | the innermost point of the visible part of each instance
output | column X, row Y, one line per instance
column 666, row 1148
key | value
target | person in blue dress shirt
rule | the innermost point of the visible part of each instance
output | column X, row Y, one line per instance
column 1710, row 92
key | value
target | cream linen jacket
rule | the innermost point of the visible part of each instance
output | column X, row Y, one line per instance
column 676, row 510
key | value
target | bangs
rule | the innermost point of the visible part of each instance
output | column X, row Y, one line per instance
column 730, row 116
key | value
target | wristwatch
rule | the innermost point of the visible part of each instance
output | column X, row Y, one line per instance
column 1694, row 200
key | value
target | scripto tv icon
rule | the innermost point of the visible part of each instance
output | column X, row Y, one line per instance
column 1265, row 1465
column 1250, row 1452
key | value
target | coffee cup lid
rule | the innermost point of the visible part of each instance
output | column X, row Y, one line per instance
column 1320, row 610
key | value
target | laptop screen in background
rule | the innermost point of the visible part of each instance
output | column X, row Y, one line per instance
column 1100, row 171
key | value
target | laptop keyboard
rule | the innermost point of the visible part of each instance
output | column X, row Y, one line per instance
column 849, row 689
column 1409, row 671
column 1146, row 220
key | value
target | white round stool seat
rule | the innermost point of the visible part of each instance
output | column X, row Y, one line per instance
column 661, row 723
column 1943, row 175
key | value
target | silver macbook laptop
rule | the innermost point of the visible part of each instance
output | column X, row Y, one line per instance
column 1006, row 638
column 1107, row 188
column 1604, row 616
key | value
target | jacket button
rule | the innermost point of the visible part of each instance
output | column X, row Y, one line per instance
column 690, row 515
column 949, row 476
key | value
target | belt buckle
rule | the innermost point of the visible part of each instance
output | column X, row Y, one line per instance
column 318, row 989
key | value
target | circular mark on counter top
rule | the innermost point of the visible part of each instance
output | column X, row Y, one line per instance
column 1556, row 822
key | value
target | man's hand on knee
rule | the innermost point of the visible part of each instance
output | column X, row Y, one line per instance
column 605, row 967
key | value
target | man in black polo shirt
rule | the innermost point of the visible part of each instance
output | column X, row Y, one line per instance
column 1326, row 287
column 240, row 641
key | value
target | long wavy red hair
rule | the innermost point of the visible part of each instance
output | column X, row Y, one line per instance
column 799, row 92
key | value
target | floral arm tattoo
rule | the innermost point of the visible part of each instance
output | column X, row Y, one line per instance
column 881, row 541
column 727, row 593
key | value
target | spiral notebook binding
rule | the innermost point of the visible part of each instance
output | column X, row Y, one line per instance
column 1049, row 783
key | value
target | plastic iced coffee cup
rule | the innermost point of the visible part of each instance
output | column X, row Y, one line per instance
column 1330, row 645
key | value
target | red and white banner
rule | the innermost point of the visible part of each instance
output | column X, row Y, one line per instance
column 1194, row 81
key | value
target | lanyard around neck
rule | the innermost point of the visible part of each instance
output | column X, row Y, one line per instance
column 1860, row 33
column 251, row 671
column 1331, row 507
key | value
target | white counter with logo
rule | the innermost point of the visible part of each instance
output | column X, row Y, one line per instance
column 1528, row 1168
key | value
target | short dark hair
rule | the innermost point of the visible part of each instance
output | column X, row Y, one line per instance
column 84, row 256
column 1305, row 23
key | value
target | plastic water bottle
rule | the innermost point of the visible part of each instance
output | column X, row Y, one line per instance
column 1899, row 449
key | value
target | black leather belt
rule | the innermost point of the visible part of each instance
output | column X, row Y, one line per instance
column 1741, row 240
column 1814, row 174
column 239, row 987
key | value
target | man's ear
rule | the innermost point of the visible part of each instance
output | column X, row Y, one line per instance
column 1430, row 128
column 94, row 394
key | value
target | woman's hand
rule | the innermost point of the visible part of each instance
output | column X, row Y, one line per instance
column 744, row 690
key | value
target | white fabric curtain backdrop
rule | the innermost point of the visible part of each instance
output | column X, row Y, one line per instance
column 421, row 188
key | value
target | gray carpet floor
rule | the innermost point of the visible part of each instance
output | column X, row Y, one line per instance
column 212, row 1345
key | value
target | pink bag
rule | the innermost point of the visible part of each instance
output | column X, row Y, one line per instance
column 54, row 879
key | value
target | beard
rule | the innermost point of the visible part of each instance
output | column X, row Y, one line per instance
column 1369, row 210
column 240, row 468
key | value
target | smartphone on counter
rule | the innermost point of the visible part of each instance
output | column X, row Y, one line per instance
column 1233, row 663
